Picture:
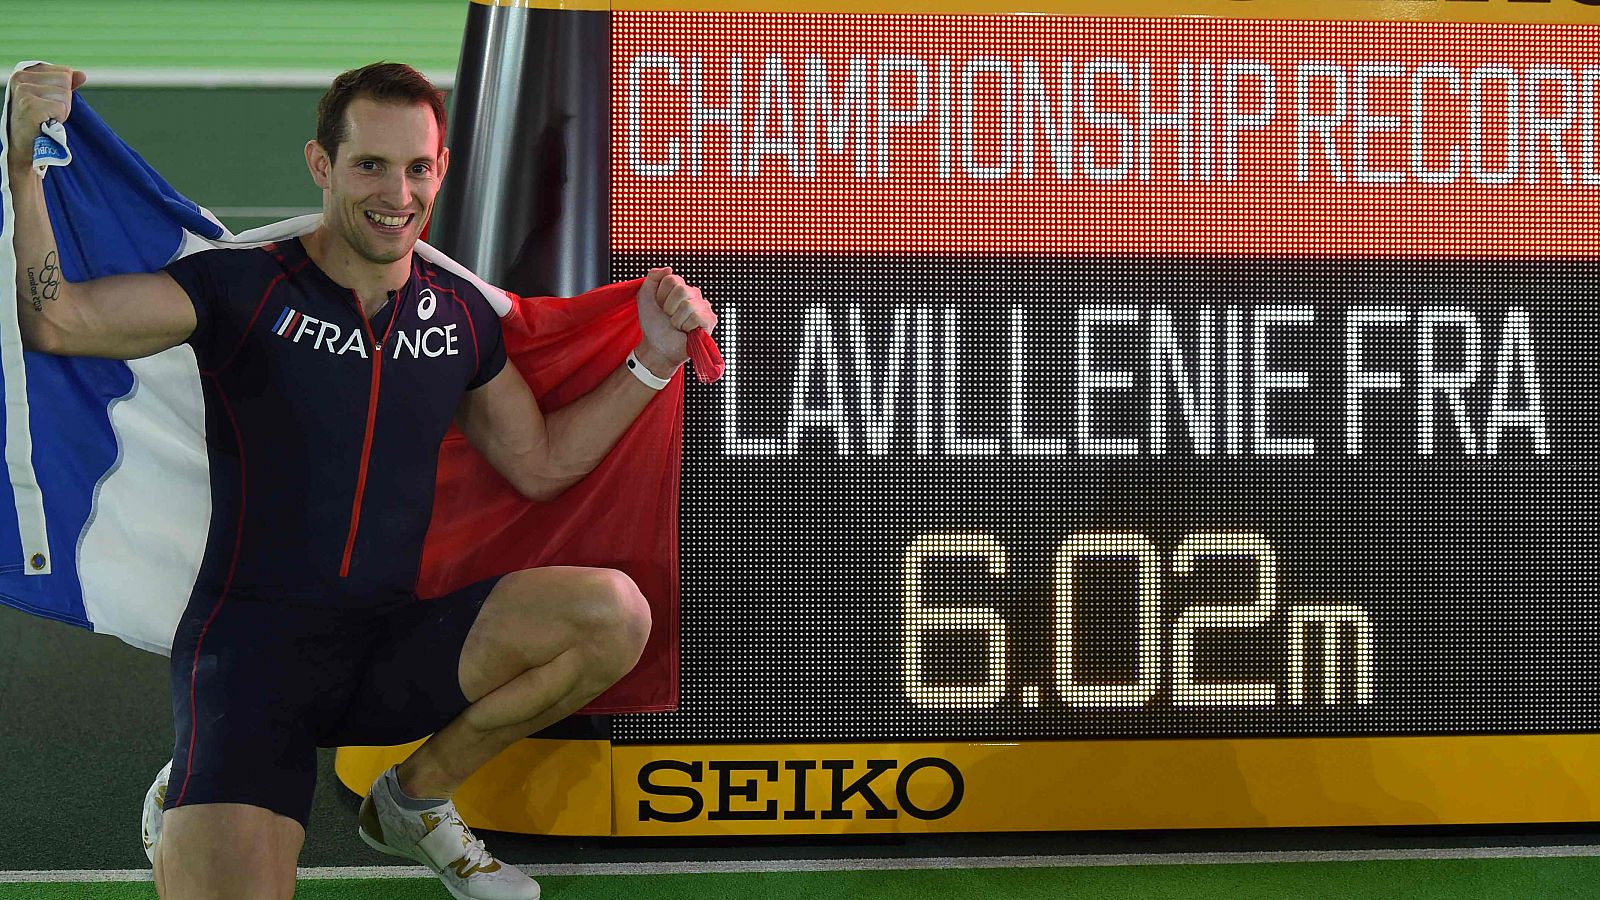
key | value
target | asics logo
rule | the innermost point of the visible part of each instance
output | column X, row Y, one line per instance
column 426, row 303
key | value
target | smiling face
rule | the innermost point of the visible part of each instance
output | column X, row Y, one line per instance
column 379, row 186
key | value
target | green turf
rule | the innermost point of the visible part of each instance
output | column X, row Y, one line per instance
column 238, row 35
column 1482, row 879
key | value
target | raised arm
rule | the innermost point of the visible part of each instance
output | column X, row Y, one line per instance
column 544, row 455
column 121, row 317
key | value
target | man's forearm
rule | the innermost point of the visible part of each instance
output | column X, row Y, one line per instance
column 584, row 431
column 39, row 281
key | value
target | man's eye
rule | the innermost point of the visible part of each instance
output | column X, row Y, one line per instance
column 421, row 169
column 367, row 165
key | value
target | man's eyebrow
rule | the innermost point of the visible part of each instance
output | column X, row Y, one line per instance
column 378, row 157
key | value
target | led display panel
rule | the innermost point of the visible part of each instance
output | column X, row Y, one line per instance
column 1098, row 377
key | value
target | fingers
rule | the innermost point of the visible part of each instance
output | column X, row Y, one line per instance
column 673, row 294
column 693, row 320
column 56, row 82
column 682, row 303
column 692, row 311
column 38, row 71
column 40, row 93
column 686, row 308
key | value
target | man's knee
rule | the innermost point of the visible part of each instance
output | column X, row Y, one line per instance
column 615, row 621
column 211, row 851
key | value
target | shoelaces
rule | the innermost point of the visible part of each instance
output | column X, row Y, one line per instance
column 476, row 853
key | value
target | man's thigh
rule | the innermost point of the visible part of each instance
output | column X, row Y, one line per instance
column 253, row 683
column 434, row 658
column 410, row 686
column 232, row 850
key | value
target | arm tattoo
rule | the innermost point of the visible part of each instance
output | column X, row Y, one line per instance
column 45, row 283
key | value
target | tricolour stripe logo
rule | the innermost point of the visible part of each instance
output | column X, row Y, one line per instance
column 286, row 319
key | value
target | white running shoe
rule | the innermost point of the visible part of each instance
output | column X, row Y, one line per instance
column 154, row 799
column 438, row 839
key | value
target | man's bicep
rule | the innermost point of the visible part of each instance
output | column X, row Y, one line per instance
column 502, row 421
column 124, row 317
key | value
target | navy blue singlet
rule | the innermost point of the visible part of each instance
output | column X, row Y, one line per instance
column 323, row 428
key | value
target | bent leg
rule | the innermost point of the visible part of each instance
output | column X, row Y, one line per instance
column 227, row 851
column 546, row 642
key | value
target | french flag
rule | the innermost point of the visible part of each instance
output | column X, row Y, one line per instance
column 106, row 460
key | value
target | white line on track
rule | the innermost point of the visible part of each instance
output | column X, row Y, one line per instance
column 706, row 867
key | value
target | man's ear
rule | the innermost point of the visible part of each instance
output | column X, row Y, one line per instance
column 320, row 164
column 444, row 161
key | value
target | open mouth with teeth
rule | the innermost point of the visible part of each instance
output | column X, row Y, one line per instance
column 389, row 224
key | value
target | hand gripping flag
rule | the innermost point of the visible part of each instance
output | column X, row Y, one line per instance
column 107, row 462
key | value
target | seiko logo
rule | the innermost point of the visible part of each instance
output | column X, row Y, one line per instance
column 426, row 302
column 299, row 328
column 756, row 789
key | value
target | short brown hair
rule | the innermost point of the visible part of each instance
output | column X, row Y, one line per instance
column 385, row 82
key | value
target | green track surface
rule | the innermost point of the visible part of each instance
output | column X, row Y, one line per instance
column 1480, row 879
column 236, row 35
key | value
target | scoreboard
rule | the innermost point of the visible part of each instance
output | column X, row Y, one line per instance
column 1107, row 377
column 1128, row 407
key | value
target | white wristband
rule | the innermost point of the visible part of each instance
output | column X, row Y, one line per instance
column 643, row 373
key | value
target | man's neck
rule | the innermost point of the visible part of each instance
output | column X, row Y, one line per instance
column 371, row 281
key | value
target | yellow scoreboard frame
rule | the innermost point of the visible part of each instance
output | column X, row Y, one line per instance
column 595, row 788
column 592, row 787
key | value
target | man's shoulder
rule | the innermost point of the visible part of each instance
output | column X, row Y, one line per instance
column 265, row 260
column 453, row 288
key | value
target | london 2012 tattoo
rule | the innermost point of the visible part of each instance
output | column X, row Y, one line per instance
column 45, row 283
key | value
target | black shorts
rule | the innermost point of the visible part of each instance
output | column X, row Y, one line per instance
column 273, row 681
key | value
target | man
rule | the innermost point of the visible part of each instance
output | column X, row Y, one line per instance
column 303, row 629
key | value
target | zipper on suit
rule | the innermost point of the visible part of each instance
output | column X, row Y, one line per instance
column 372, row 418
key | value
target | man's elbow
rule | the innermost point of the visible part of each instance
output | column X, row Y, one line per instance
column 540, row 486
column 40, row 336
column 52, row 328
column 537, row 491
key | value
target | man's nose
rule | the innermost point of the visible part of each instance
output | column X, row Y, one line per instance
column 396, row 190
